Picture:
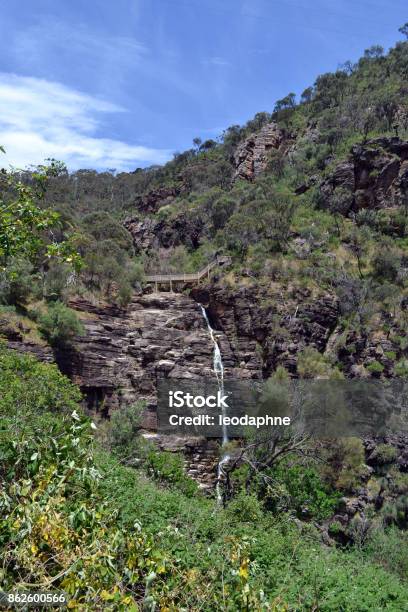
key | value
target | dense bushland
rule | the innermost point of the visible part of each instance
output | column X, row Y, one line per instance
column 105, row 516
column 75, row 518
column 281, row 228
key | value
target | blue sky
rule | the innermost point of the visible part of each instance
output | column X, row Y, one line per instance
column 125, row 83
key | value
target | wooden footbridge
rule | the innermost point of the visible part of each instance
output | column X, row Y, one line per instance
column 185, row 277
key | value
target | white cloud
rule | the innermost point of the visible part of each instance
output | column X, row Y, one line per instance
column 43, row 119
column 50, row 40
column 216, row 61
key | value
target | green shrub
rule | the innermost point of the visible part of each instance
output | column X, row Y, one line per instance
column 308, row 495
column 401, row 368
column 335, row 528
column 56, row 527
column 389, row 548
column 125, row 293
column 112, row 539
column 121, row 432
column 59, row 325
column 56, row 281
column 398, row 483
column 245, row 508
column 344, row 465
column 385, row 453
column 17, row 281
column 103, row 226
column 386, row 264
column 375, row 367
column 169, row 468
column 29, row 385
column 312, row 364
column 396, row 512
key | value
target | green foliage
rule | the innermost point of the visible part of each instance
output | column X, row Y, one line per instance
column 344, row 464
column 398, row 481
column 385, row 453
column 16, row 281
column 389, row 548
column 266, row 214
column 375, row 367
column 103, row 226
column 395, row 512
column 335, row 528
column 386, row 264
column 404, row 29
column 245, row 508
column 59, row 325
column 56, row 528
column 24, row 225
column 75, row 517
column 312, row 364
column 121, row 433
column 305, row 491
column 22, row 222
column 223, row 555
column 56, row 281
column 401, row 368
column 168, row 468
column 28, row 385
column 110, row 270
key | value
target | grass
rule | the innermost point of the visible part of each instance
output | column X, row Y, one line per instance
column 288, row 562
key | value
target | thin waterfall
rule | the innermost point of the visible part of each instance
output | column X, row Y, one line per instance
column 218, row 368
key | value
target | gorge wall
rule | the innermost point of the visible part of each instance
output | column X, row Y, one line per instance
column 125, row 353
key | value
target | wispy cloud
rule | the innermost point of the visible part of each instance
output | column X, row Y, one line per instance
column 216, row 61
column 43, row 119
column 50, row 38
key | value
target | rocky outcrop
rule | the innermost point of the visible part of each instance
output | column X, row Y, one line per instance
column 269, row 328
column 154, row 233
column 40, row 352
column 155, row 199
column 124, row 354
column 251, row 156
column 17, row 339
column 374, row 176
column 379, row 495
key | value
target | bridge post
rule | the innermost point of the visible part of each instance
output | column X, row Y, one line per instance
column 171, row 286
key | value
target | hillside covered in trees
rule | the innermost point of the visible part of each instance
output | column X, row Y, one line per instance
column 309, row 201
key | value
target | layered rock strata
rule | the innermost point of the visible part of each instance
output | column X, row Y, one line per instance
column 251, row 156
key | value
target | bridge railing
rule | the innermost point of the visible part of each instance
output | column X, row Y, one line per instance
column 184, row 276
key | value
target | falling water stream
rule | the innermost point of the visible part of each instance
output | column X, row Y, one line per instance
column 218, row 369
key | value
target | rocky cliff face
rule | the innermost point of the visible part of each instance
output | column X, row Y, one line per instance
column 374, row 176
column 251, row 156
column 17, row 339
column 153, row 200
column 151, row 233
column 273, row 328
column 123, row 354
